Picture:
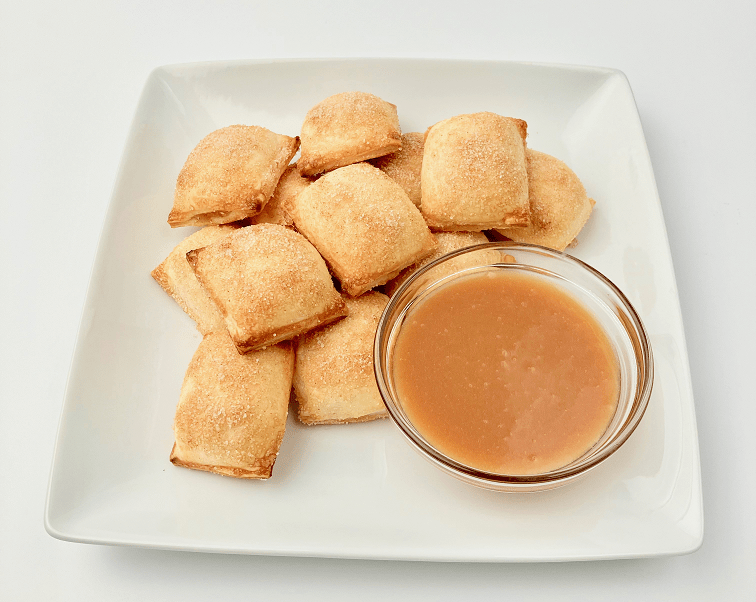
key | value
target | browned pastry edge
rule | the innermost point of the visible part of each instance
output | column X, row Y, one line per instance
column 517, row 219
column 179, row 219
column 191, row 257
column 162, row 279
column 310, row 167
column 239, row 473
column 522, row 126
column 331, row 314
column 365, row 418
column 356, row 287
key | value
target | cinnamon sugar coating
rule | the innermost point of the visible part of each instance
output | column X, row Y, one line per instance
column 232, row 410
column 347, row 128
column 363, row 224
column 474, row 175
column 230, row 175
column 559, row 205
column 334, row 381
column 404, row 166
column 269, row 283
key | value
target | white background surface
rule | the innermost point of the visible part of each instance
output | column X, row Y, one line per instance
column 70, row 76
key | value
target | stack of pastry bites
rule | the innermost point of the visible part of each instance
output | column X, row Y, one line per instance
column 354, row 212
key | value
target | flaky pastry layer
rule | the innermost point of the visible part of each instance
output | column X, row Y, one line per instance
column 177, row 278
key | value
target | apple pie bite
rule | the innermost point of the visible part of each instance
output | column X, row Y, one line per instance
column 230, row 175
column 269, row 283
column 347, row 128
column 559, row 205
column 474, row 175
column 333, row 375
column 232, row 409
column 363, row 224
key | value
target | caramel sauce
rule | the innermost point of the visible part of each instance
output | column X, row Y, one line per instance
column 506, row 372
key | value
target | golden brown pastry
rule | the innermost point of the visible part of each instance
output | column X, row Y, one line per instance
column 447, row 242
column 474, row 175
column 230, row 175
column 334, row 381
column 363, row 224
column 290, row 185
column 232, row 410
column 347, row 128
column 177, row 278
column 404, row 166
column 269, row 283
column 559, row 205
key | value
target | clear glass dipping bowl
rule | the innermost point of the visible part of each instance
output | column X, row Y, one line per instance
column 597, row 294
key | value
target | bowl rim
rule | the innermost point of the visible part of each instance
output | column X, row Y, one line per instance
column 549, row 479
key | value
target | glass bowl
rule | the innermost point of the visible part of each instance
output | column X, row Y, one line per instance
column 604, row 301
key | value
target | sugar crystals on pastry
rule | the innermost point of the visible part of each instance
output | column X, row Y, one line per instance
column 474, row 175
column 559, row 205
column 232, row 410
column 269, row 283
column 177, row 278
column 346, row 128
column 404, row 166
column 363, row 224
column 334, row 381
column 230, row 175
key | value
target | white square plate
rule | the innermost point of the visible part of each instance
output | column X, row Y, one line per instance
column 359, row 491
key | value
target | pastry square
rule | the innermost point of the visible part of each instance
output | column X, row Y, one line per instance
column 447, row 242
column 559, row 205
column 404, row 166
column 230, row 175
column 177, row 278
column 290, row 185
column 334, row 381
column 347, row 128
column 269, row 283
column 232, row 410
column 363, row 224
column 474, row 175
